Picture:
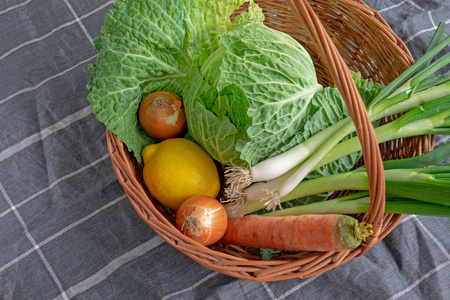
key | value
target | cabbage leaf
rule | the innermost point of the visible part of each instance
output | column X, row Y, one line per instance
column 261, row 75
column 147, row 46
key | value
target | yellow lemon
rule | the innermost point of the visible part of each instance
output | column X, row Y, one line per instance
column 177, row 169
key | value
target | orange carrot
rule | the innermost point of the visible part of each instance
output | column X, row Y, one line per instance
column 330, row 232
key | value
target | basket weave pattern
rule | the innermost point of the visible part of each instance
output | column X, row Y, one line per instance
column 338, row 35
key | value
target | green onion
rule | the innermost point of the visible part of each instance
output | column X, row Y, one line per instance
column 404, row 178
column 412, row 90
column 356, row 205
column 429, row 118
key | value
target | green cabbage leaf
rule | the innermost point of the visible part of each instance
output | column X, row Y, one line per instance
column 264, row 82
column 147, row 46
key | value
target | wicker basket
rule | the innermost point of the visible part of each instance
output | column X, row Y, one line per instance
column 337, row 34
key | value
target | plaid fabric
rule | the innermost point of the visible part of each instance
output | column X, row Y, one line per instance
column 67, row 230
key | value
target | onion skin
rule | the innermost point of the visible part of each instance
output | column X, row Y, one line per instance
column 161, row 115
column 203, row 219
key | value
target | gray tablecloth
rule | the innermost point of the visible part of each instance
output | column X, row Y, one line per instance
column 67, row 229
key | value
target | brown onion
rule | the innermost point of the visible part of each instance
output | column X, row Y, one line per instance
column 162, row 116
column 203, row 219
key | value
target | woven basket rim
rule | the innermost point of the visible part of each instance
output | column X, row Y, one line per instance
column 312, row 263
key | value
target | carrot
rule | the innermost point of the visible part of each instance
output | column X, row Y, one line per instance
column 330, row 232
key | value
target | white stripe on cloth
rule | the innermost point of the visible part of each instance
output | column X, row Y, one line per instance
column 65, row 177
column 11, row 51
column 54, row 30
column 297, row 287
column 431, row 19
column 418, row 281
column 110, row 268
column 442, row 140
column 61, row 232
column 435, row 240
column 79, row 22
column 419, row 8
column 29, row 89
column 39, row 136
column 15, row 6
column 265, row 285
column 269, row 291
column 424, row 277
column 406, row 218
column 415, row 5
column 33, row 242
column 408, row 40
column 391, row 7
column 423, row 30
column 204, row 279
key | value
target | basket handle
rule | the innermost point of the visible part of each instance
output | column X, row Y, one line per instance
column 357, row 110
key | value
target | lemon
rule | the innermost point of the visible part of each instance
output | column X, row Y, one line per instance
column 177, row 169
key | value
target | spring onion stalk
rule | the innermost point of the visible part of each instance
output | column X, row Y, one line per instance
column 329, row 137
column 411, row 89
column 427, row 184
column 425, row 119
column 432, row 89
column 360, row 204
column 430, row 118
column 404, row 178
column 433, row 49
column 256, row 191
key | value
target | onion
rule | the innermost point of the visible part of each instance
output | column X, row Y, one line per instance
column 203, row 219
column 162, row 116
